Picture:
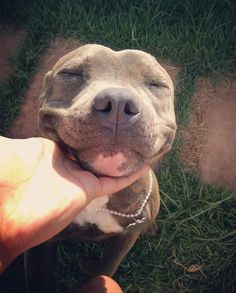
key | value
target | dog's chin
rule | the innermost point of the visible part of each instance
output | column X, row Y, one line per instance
column 113, row 161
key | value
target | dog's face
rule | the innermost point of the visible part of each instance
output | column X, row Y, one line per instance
column 111, row 111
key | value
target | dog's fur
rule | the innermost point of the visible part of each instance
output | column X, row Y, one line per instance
column 99, row 104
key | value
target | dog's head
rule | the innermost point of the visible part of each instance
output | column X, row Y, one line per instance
column 111, row 111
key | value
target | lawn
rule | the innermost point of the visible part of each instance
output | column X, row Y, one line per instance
column 196, row 249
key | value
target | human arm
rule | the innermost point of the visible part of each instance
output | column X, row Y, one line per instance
column 41, row 191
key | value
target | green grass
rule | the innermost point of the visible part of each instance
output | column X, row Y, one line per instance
column 197, row 221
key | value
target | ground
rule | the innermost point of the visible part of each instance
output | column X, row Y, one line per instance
column 209, row 140
column 11, row 39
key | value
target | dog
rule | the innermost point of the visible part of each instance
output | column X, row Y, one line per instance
column 112, row 112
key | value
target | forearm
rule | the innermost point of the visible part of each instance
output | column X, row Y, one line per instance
column 2, row 265
column 9, row 251
column 6, row 251
column 14, row 169
column 5, row 259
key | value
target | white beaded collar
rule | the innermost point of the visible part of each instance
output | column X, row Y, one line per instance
column 139, row 211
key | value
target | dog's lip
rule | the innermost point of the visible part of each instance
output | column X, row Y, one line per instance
column 67, row 150
column 121, row 161
column 72, row 153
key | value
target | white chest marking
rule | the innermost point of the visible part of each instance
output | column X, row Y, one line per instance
column 93, row 214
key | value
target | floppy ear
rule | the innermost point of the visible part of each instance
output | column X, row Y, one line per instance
column 173, row 72
column 46, row 83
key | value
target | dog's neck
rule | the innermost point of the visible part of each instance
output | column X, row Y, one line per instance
column 130, row 206
column 137, row 216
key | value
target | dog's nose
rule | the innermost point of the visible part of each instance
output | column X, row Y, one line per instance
column 116, row 105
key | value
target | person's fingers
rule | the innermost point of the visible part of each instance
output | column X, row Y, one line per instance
column 48, row 145
column 111, row 185
column 99, row 186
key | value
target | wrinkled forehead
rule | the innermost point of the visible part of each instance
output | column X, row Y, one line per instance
column 98, row 59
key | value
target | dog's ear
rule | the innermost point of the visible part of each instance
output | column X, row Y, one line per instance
column 173, row 72
column 46, row 85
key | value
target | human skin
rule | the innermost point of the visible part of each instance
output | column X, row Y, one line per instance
column 41, row 192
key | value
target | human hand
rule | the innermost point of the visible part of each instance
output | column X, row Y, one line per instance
column 41, row 192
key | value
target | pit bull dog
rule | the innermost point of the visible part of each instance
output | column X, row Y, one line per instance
column 112, row 112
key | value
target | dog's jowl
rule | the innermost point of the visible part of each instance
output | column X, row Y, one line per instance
column 112, row 112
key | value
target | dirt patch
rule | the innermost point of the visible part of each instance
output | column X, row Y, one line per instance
column 26, row 124
column 11, row 39
column 210, row 139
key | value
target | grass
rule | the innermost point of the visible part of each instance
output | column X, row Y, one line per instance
column 197, row 221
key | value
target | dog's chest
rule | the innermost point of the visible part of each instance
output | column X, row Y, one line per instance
column 93, row 214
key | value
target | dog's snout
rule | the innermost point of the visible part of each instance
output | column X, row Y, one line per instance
column 116, row 106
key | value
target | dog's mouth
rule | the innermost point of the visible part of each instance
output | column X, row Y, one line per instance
column 115, row 158
column 105, row 160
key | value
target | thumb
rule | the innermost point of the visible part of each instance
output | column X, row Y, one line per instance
column 110, row 185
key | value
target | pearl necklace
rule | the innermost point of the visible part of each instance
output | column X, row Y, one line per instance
column 139, row 211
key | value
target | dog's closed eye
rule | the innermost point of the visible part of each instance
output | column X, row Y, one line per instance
column 155, row 84
column 71, row 73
